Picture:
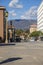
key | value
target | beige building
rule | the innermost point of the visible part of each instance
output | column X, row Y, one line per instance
column 11, row 30
column 33, row 28
column 11, row 33
column 2, row 23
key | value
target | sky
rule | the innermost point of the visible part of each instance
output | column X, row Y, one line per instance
column 21, row 9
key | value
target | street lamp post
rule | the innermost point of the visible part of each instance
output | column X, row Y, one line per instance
column 9, row 34
column 6, row 15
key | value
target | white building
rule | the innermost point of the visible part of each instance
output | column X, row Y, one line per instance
column 40, row 18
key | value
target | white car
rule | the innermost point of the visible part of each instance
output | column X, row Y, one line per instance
column 32, row 39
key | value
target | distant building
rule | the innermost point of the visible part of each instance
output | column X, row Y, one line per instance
column 2, row 23
column 33, row 28
column 11, row 32
column 40, row 18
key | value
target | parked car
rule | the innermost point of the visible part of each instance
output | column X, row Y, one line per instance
column 0, row 39
column 18, row 39
column 32, row 39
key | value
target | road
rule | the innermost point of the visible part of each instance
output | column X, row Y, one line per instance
column 25, row 53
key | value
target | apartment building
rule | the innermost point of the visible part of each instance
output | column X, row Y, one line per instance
column 2, row 23
column 33, row 28
column 40, row 17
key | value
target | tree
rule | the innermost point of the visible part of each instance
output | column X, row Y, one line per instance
column 19, row 32
column 36, row 34
column 27, row 31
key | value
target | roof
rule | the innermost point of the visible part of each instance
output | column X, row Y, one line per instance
column 2, row 8
column 10, row 26
column 33, row 25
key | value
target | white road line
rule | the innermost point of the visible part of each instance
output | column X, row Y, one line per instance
column 36, row 59
column 1, row 57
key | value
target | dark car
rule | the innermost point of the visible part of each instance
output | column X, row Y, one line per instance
column 0, row 39
column 18, row 39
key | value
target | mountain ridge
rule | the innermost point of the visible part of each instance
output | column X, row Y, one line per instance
column 23, row 23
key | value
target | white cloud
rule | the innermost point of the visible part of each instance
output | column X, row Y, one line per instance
column 12, row 13
column 19, row 6
column 14, row 3
column 11, row 4
column 31, row 13
column 23, row 17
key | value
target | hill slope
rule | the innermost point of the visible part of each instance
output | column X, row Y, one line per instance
column 22, row 23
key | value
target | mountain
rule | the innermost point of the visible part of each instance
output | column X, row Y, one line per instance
column 22, row 23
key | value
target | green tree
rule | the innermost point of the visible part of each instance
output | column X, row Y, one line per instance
column 27, row 31
column 19, row 32
column 36, row 34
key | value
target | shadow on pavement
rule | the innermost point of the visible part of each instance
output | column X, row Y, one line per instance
column 10, row 60
column 9, row 44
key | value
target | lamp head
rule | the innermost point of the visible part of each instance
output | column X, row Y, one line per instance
column 6, row 13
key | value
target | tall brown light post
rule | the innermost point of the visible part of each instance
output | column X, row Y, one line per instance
column 6, row 15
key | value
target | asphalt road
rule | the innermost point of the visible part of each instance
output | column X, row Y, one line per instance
column 25, row 53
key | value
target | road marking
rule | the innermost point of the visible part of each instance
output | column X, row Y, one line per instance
column 1, row 57
column 36, row 59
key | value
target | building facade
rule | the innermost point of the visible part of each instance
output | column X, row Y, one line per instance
column 40, row 18
column 11, row 33
column 33, row 28
column 2, row 23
